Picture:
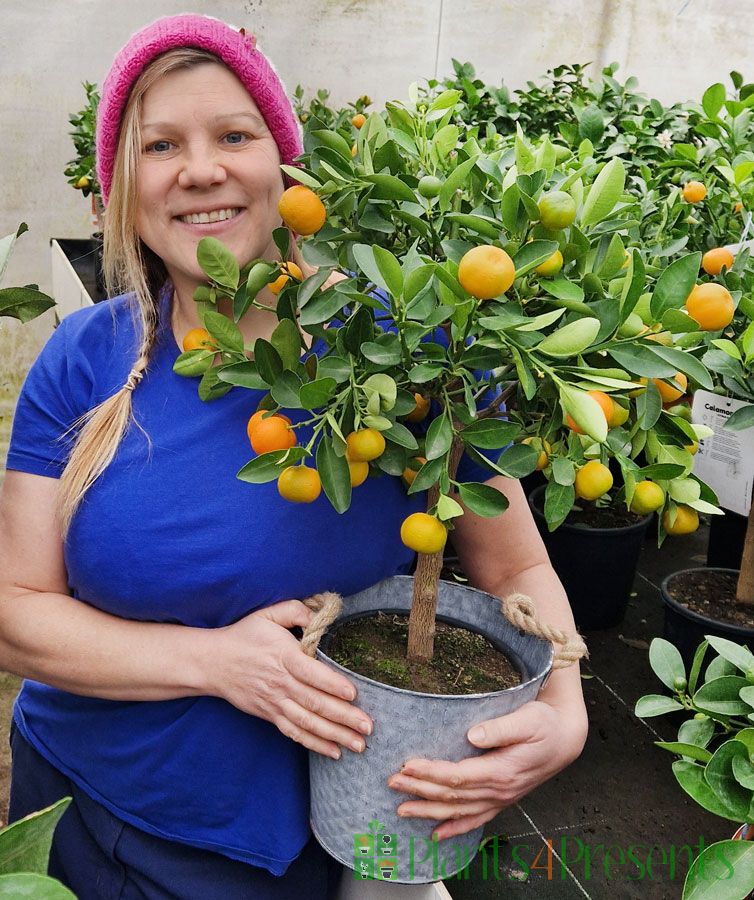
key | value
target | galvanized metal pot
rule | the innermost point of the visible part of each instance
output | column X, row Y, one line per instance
column 350, row 793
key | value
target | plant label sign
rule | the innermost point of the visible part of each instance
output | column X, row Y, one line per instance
column 725, row 461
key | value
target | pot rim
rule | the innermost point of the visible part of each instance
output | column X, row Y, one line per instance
column 692, row 614
column 641, row 525
column 545, row 671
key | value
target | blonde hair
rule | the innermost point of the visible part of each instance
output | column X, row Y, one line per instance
column 129, row 267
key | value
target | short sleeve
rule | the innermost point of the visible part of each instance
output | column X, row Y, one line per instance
column 55, row 393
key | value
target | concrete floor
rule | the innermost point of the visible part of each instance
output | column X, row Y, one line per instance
column 582, row 833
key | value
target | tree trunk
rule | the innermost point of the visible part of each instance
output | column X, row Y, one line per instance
column 745, row 587
column 421, row 622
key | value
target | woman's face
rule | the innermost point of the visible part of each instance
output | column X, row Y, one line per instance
column 205, row 148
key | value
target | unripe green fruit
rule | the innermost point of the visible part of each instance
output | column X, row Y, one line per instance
column 700, row 716
column 429, row 186
column 682, row 410
column 749, row 674
column 642, row 308
column 592, row 285
column 679, row 683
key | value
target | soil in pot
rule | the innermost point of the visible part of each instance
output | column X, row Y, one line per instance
column 463, row 663
column 591, row 516
column 711, row 594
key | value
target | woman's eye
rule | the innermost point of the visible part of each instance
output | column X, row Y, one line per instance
column 155, row 147
column 235, row 134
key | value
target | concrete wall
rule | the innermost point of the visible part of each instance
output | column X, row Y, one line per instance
column 47, row 48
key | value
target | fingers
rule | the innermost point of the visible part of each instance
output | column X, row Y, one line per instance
column 519, row 727
column 428, row 809
column 304, row 723
column 318, row 675
column 475, row 772
column 288, row 613
column 429, row 790
column 353, row 722
column 454, row 827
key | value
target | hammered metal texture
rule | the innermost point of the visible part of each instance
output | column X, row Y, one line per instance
column 348, row 793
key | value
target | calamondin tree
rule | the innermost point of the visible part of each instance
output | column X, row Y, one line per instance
column 485, row 306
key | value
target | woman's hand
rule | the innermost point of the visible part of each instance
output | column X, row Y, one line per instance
column 528, row 746
column 262, row 670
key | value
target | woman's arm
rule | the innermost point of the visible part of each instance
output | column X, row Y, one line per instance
column 526, row 747
column 256, row 664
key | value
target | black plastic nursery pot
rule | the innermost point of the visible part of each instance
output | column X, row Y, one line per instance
column 595, row 565
column 726, row 540
column 687, row 629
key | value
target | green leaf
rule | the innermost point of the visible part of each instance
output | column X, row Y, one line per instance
column 40, row 887
column 389, row 187
column 302, row 176
column 604, row 193
column 482, row 499
column 218, row 263
column 455, row 181
column 741, row 419
column 690, row 776
column 25, row 844
column 740, row 656
column 690, row 750
column 400, row 435
column 713, row 99
column 268, row 361
column 226, row 333
column 592, row 124
column 316, row 394
column 268, row 466
column 211, row 387
column 334, row 474
column 718, row 774
column 655, row 705
column 666, row 662
column 570, row 339
column 489, row 433
column 481, row 225
column 323, row 307
column 384, row 353
column 428, row 475
column 525, row 160
column 243, row 374
column 685, row 362
column 563, row 470
column 193, row 363
column 675, row 284
column 721, row 696
column 722, row 871
column 698, row 732
column 24, row 303
column 286, row 390
column 439, row 437
column 562, row 288
column 390, row 269
column 585, row 411
column 648, row 407
column 558, row 503
column 287, row 341
column 533, row 254
column 518, row 461
column 335, row 142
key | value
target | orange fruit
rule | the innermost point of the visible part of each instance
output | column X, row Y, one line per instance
column 358, row 472
column 358, row 120
column 364, row 445
column 714, row 260
column 354, row 149
column 299, row 484
column 409, row 474
column 302, row 210
column 486, row 272
column 607, row 408
column 419, row 411
column 711, row 305
column 545, row 449
column 273, row 433
column 738, row 207
column 647, row 498
column 551, row 266
column 593, row 480
column 694, row 192
column 669, row 393
column 423, row 533
column 198, row 339
column 686, row 521
column 287, row 270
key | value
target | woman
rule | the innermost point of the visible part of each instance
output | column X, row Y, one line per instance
column 165, row 690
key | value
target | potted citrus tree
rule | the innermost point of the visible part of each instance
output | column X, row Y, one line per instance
column 439, row 339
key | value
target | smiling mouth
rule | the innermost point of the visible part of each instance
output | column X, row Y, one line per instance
column 219, row 215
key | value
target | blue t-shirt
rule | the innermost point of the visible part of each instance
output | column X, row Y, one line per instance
column 169, row 534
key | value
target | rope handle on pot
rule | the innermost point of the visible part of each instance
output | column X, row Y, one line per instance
column 518, row 609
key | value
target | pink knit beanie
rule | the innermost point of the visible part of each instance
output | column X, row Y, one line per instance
column 235, row 48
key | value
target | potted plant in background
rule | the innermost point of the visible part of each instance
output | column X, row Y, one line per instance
column 442, row 317
column 715, row 746
column 85, row 255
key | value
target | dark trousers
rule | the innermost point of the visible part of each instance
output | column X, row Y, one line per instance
column 100, row 857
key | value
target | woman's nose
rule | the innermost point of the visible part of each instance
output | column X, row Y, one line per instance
column 201, row 168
